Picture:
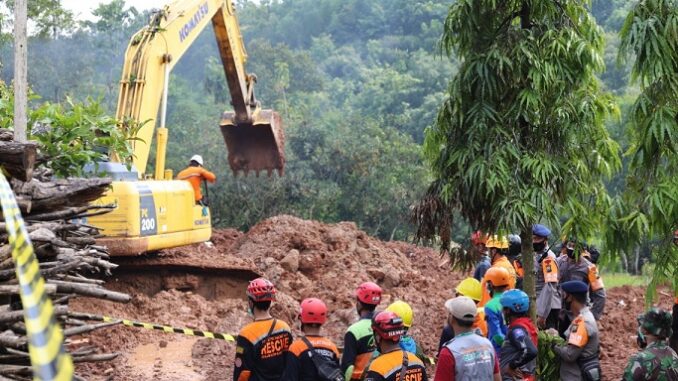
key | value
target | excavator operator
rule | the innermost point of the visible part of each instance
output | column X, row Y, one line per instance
column 196, row 174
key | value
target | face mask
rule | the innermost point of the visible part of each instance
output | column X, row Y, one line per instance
column 570, row 253
column 250, row 311
column 538, row 246
column 567, row 303
column 640, row 339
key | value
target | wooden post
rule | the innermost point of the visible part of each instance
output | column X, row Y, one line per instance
column 20, row 71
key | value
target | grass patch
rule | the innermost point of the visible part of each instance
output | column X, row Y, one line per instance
column 613, row 280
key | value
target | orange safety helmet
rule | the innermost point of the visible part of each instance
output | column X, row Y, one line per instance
column 498, row 276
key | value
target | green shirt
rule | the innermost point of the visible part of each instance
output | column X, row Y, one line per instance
column 654, row 363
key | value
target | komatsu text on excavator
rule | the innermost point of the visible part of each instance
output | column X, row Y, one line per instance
column 154, row 212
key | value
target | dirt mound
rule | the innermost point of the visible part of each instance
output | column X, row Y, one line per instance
column 619, row 324
column 303, row 258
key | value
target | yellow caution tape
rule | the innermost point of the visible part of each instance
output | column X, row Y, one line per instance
column 170, row 329
column 45, row 338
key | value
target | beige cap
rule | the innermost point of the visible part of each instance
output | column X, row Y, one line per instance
column 462, row 307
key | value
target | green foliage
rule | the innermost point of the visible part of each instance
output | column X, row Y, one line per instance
column 548, row 366
column 72, row 135
column 647, row 209
column 49, row 18
column 521, row 136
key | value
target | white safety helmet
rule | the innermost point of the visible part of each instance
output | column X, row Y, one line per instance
column 197, row 159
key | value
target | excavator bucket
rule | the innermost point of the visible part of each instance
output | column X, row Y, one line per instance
column 257, row 146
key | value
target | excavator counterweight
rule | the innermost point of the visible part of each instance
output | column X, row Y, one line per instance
column 255, row 146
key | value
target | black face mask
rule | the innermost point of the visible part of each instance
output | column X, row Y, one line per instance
column 570, row 253
column 538, row 246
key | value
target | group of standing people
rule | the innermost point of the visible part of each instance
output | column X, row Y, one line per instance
column 488, row 334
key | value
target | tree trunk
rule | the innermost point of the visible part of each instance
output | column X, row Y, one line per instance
column 636, row 261
column 528, row 266
column 20, row 70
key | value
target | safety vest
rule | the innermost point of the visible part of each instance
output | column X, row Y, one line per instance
column 474, row 357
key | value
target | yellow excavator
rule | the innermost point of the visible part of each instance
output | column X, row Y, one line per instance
column 152, row 211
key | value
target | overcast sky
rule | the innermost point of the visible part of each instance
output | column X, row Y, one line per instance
column 83, row 9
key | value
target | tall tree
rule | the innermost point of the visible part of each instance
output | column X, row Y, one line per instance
column 520, row 138
column 648, row 209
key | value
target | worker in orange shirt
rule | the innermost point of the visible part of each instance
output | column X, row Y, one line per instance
column 196, row 174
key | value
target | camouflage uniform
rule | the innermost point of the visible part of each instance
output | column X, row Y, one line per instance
column 657, row 362
column 653, row 364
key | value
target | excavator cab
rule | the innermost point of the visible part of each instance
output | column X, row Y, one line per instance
column 254, row 146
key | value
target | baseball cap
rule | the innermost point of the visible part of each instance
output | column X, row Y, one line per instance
column 462, row 308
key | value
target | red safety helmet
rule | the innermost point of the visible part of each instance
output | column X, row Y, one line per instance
column 261, row 290
column 368, row 293
column 477, row 238
column 388, row 326
column 313, row 310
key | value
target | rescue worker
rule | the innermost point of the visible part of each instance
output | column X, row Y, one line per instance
column 575, row 266
column 548, row 302
column 514, row 256
column 498, row 280
column 498, row 247
column 478, row 239
column 579, row 355
column 468, row 356
column 393, row 363
column 407, row 342
column 196, row 174
column 657, row 361
column 261, row 346
column 470, row 288
column 518, row 355
column 358, row 341
column 299, row 365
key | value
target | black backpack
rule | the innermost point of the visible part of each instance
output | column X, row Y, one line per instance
column 328, row 370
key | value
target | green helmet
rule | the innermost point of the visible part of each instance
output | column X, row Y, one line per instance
column 656, row 322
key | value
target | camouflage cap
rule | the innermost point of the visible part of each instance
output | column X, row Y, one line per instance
column 656, row 321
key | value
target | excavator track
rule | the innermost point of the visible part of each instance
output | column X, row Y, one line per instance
column 212, row 275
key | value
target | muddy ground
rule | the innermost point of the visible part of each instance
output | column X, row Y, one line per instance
column 303, row 258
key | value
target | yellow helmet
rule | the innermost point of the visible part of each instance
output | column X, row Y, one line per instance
column 498, row 242
column 470, row 287
column 403, row 310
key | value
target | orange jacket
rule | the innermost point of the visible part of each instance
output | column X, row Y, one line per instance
column 195, row 176
column 501, row 261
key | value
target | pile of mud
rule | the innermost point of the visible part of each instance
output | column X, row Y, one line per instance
column 303, row 258
column 618, row 326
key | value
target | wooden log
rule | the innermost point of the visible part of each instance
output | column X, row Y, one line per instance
column 15, row 370
column 6, row 135
column 14, row 290
column 18, row 159
column 14, row 316
column 88, row 328
column 62, row 193
column 9, row 339
column 96, row 358
column 89, row 290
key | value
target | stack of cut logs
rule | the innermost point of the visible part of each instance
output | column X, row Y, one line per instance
column 70, row 260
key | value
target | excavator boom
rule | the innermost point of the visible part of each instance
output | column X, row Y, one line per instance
column 253, row 136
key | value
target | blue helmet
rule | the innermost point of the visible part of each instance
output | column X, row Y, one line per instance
column 515, row 300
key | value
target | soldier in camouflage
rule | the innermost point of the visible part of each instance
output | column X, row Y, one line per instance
column 657, row 361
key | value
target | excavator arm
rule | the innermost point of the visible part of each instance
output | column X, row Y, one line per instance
column 253, row 136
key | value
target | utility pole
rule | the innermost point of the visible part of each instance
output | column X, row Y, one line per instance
column 20, row 71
